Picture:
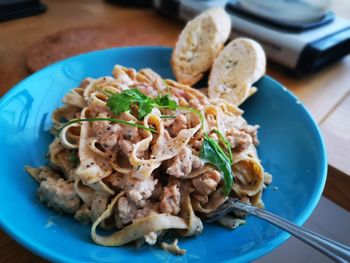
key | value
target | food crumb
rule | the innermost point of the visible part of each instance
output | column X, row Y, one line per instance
column 49, row 224
column 173, row 248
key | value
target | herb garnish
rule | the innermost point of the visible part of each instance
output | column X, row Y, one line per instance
column 226, row 143
column 108, row 119
column 167, row 116
column 124, row 101
column 212, row 153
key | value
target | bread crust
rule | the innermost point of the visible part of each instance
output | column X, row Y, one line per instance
column 198, row 45
column 241, row 63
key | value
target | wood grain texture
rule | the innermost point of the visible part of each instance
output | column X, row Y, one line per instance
column 63, row 44
column 337, row 188
column 336, row 132
column 319, row 92
column 17, row 36
column 10, row 251
column 322, row 93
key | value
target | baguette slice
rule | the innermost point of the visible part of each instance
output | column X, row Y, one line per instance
column 241, row 63
column 199, row 43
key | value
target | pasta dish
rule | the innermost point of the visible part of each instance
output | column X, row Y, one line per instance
column 145, row 156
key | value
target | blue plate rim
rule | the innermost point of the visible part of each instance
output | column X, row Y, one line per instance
column 270, row 246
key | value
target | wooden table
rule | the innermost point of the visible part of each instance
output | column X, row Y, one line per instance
column 326, row 94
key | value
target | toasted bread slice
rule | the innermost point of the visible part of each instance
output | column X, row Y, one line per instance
column 198, row 45
column 241, row 63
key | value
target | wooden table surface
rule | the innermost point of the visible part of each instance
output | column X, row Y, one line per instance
column 326, row 94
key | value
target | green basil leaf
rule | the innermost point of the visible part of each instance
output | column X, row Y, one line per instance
column 226, row 143
column 144, row 109
column 212, row 153
column 123, row 101
column 165, row 101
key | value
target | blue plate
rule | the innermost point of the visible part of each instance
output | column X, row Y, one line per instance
column 291, row 149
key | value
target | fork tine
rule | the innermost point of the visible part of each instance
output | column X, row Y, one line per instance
column 223, row 210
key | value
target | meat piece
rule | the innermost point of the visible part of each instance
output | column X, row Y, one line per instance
column 83, row 214
column 125, row 146
column 42, row 173
column 180, row 123
column 206, row 183
column 203, row 199
column 140, row 190
column 197, row 141
column 170, row 200
column 185, row 186
column 239, row 139
column 197, row 144
column 196, row 162
column 126, row 211
column 167, row 122
column 183, row 163
column 130, row 133
column 115, row 180
column 107, row 133
column 253, row 132
column 143, row 212
column 60, row 195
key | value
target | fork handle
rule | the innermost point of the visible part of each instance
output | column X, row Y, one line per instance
column 331, row 248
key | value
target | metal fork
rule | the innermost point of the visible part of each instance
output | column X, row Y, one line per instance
column 336, row 251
